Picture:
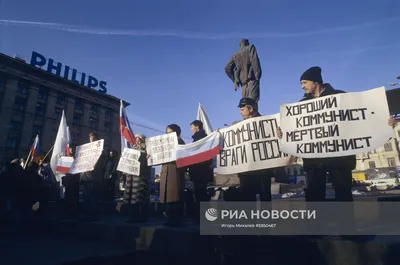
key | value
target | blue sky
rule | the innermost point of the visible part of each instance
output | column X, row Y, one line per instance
column 167, row 56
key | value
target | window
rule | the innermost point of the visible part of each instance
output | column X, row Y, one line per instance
column 23, row 87
column 79, row 104
column 93, row 123
column 388, row 147
column 12, row 142
column 57, row 113
column 40, row 109
column 108, row 115
column 94, row 109
column 61, row 99
column 372, row 164
column 107, row 126
column 43, row 92
column 391, row 162
column 19, row 104
column 15, row 126
column 77, row 119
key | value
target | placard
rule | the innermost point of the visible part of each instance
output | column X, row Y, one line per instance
column 86, row 157
column 161, row 149
column 337, row 125
column 251, row 145
column 129, row 162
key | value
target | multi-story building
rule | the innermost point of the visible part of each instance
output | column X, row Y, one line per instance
column 383, row 157
column 32, row 101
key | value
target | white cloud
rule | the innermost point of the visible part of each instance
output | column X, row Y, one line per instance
column 187, row 34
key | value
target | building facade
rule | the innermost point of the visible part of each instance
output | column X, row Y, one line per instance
column 383, row 157
column 32, row 101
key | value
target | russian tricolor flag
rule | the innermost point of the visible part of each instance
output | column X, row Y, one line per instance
column 200, row 151
column 64, row 164
column 128, row 139
column 35, row 154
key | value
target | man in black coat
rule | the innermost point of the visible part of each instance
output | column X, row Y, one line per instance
column 244, row 69
column 258, row 181
column 201, row 173
column 338, row 168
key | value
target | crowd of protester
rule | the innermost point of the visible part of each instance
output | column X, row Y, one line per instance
column 26, row 187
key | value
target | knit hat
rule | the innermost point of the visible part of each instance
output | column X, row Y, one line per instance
column 312, row 74
column 141, row 136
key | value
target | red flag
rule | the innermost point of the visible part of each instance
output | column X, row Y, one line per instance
column 124, row 127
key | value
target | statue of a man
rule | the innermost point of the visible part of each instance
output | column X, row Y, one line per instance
column 244, row 69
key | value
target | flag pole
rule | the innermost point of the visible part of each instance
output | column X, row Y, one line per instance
column 48, row 152
column 27, row 159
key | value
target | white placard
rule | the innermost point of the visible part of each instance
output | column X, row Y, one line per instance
column 161, row 149
column 86, row 157
column 337, row 125
column 251, row 145
column 129, row 162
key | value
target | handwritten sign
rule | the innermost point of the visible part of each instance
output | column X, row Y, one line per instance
column 338, row 125
column 251, row 145
column 129, row 162
column 162, row 148
column 86, row 157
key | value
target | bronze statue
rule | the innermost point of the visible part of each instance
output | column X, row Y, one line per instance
column 244, row 69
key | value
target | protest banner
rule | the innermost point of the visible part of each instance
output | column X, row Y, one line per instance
column 251, row 145
column 86, row 157
column 200, row 151
column 129, row 162
column 161, row 149
column 336, row 125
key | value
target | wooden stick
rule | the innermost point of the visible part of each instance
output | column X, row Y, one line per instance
column 48, row 152
column 27, row 159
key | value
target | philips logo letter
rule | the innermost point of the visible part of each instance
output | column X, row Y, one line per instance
column 211, row 214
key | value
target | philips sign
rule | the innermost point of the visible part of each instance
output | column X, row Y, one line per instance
column 65, row 71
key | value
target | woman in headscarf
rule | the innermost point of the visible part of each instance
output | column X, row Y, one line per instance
column 172, row 185
column 137, row 187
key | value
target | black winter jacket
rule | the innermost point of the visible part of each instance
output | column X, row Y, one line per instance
column 348, row 162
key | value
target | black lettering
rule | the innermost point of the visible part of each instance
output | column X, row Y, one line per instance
column 313, row 106
column 266, row 150
column 313, row 133
column 233, row 156
column 334, row 146
column 331, row 117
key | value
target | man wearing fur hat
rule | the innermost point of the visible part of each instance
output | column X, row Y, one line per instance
column 244, row 69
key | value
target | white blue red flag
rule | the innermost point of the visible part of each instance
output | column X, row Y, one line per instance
column 128, row 139
column 35, row 154
column 59, row 148
column 199, row 151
